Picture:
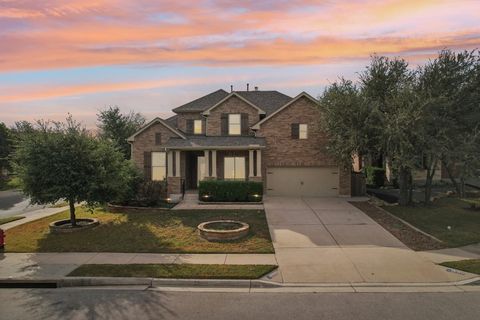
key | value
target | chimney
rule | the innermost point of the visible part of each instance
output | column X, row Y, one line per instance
column 248, row 86
column 231, row 88
column 256, row 88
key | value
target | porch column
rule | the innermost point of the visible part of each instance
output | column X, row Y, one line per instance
column 259, row 163
column 207, row 162
column 170, row 163
column 214, row 163
column 178, row 168
column 250, row 163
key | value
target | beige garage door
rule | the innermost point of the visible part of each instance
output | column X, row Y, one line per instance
column 308, row 182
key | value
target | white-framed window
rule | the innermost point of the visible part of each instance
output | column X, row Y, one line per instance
column 234, row 168
column 197, row 127
column 302, row 131
column 234, row 124
column 159, row 166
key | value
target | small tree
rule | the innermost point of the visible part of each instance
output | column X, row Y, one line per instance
column 62, row 161
column 5, row 147
column 117, row 127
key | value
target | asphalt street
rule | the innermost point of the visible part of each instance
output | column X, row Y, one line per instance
column 13, row 202
column 91, row 303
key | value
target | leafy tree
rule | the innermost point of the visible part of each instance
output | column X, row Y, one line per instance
column 380, row 116
column 63, row 161
column 5, row 146
column 447, row 86
column 117, row 127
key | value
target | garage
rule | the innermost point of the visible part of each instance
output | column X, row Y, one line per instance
column 302, row 181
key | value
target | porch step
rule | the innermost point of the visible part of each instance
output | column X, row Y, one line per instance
column 191, row 196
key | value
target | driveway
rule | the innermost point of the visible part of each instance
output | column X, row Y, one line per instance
column 327, row 240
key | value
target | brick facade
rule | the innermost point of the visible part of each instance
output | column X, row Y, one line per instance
column 283, row 151
column 145, row 141
column 232, row 105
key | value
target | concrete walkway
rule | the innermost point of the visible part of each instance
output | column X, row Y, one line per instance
column 51, row 265
column 327, row 240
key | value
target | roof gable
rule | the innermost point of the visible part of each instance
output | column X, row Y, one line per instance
column 301, row 95
column 155, row 121
column 233, row 94
column 269, row 101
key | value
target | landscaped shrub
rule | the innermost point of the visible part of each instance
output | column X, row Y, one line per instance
column 230, row 191
column 375, row 176
column 145, row 194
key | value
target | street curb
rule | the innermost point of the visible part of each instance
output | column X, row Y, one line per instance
column 69, row 282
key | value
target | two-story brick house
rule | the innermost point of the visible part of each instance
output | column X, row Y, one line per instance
column 247, row 135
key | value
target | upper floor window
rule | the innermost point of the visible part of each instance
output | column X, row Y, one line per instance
column 234, row 124
column 302, row 131
column 159, row 166
column 299, row 131
column 197, row 127
column 158, row 138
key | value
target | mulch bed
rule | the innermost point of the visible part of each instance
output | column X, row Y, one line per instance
column 410, row 237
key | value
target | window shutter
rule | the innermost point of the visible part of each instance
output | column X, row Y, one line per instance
column 224, row 124
column 147, row 165
column 158, row 138
column 295, row 130
column 244, row 124
column 190, row 126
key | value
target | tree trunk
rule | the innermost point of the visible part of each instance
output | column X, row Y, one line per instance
column 404, row 182
column 450, row 176
column 428, row 182
column 73, row 219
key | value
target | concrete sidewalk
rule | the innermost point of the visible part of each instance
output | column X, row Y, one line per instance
column 34, row 215
column 45, row 265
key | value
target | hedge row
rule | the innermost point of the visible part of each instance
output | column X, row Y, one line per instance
column 230, row 191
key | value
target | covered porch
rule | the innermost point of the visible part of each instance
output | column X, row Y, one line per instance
column 212, row 158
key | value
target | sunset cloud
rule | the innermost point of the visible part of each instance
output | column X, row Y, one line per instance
column 38, row 37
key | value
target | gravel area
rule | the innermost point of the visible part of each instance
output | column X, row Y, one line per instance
column 410, row 237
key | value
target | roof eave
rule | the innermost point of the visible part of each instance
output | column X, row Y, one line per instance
column 207, row 112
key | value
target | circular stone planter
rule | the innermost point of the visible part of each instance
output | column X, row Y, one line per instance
column 64, row 226
column 223, row 230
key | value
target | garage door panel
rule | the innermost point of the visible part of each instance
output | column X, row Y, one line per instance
column 302, row 181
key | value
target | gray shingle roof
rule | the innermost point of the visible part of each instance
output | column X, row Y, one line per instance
column 203, row 103
column 268, row 101
column 203, row 141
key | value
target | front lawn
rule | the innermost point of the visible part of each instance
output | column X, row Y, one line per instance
column 10, row 219
column 171, row 231
column 436, row 219
column 178, row 271
column 472, row 266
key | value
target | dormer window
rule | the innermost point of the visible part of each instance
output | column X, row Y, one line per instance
column 197, row 127
column 234, row 124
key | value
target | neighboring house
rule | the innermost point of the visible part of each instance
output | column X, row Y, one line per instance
column 243, row 135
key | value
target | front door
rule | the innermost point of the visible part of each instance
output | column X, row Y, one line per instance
column 200, row 169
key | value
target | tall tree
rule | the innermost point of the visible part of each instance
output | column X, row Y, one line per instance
column 5, row 147
column 447, row 87
column 61, row 161
column 117, row 127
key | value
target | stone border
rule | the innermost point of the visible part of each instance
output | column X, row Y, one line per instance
column 228, row 203
column 119, row 209
column 55, row 228
column 223, row 235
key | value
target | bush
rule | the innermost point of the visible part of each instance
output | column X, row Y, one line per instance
column 145, row 194
column 230, row 191
column 375, row 176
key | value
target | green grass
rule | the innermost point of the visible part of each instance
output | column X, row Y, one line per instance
column 435, row 219
column 472, row 266
column 172, row 231
column 179, row 271
column 10, row 219
column 59, row 204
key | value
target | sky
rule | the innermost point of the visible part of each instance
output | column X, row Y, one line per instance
column 80, row 56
